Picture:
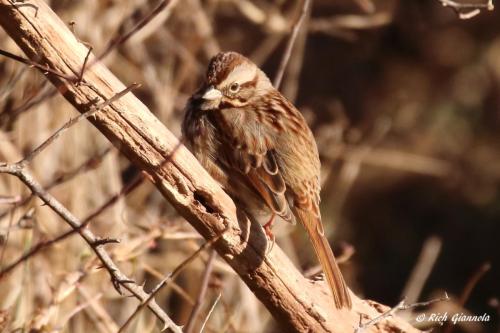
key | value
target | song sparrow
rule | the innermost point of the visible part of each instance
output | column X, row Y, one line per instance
column 258, row 146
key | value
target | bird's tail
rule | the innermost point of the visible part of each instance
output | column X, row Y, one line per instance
column 326, row 258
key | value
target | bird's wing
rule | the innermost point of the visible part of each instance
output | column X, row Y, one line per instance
column 253, row 156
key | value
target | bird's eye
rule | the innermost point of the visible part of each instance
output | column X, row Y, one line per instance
column 234, row 87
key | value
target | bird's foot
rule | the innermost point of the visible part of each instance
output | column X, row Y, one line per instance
column 271, row 239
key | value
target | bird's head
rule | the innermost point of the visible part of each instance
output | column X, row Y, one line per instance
column 232, row 81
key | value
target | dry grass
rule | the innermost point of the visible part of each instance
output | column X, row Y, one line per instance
column 420, row 110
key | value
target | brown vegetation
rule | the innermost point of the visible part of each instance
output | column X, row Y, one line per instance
column 428, row 116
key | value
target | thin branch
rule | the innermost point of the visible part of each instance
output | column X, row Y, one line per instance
column 39, row 247
column 95, row 243
column 117, row 277
column 41, row 67
column 81, row 307
column 92, row 111
column 175, row 287
column 467, row 10
column 212, row 308
column 106, row 240
column 204, row 27
column 10, row 199
column 350, row 22
column 122, row 38
column 22, row 3
column 471, row 284
column 9, row 86
column 6, row 237
column 167, row 279
column 399, row 307
column 306, row 5
column 366, row 5
column 82, row 71
column 99, row 314
column 201, row 295
column 90, row 164
column 469, row 287
column 457, row 5
column 45, row 92
column 125, row 190
column 35, row 250
column 423, row 268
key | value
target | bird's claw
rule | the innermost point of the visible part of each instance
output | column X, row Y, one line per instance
column 271, row 239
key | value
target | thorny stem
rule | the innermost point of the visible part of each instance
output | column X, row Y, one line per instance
column 117, row 277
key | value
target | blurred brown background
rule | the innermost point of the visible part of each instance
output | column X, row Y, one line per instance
column 404, row 101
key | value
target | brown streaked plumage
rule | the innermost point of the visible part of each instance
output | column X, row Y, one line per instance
column 258, row 146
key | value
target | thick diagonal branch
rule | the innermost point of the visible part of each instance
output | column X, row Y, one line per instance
column 298, row 304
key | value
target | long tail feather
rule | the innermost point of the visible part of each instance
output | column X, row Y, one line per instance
column 326, row 258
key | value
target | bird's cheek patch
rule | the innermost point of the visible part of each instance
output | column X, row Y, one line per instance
column 233, row 102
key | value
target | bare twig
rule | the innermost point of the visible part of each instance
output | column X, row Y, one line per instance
column 204, row 27
column 96, row 243
column 35, row 250
column 399, row 307
column 466, row 292
column 202, row 293
column 467, row 10
column 89, row 164
column 210, row 312
column 167, row 279
column 175, row 287
column 6, row 237
column 350, row 22
column 117, row 277
column 39, row 247
column 45, row 92
column 41, row 67
column 85, row 61
column 10, row 199
column 103, row 319
column 22, row 3
column 123, row 37
column 423, row 268
column 306, row 5
column 8, row 87
column 82, row 307
column 471, row 284
column 290, row 86
column 92, row 111
column 366, row 5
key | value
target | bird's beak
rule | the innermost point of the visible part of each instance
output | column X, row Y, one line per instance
column 212, row 94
